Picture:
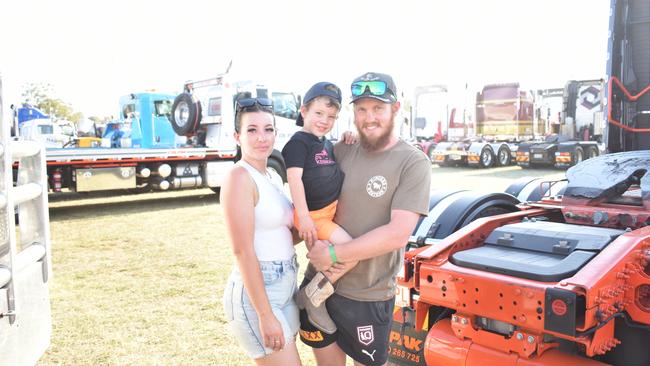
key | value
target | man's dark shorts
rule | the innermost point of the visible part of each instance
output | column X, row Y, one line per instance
column 363, row 328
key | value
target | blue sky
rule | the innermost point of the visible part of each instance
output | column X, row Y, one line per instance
column 91, row 52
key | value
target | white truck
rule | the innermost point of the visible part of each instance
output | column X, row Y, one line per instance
column 46, row 132
column 29, row 123
column 25, row 256
column 143, row 150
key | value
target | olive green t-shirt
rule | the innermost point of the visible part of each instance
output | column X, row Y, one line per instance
column 376, row 183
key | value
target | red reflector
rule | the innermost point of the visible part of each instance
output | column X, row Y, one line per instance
column 559, row 307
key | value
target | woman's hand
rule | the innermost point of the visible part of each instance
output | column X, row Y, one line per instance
column 271, row 330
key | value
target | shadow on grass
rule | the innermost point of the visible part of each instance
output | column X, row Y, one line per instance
column 153, row 204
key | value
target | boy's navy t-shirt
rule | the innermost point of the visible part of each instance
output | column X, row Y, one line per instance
column 321, row 176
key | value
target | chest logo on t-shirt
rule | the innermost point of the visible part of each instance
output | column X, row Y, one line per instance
column 377, row 186
column 323, row 158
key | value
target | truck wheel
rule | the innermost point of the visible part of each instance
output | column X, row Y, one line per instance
column 487, row 158
column 454, row 210
column 275, row 165
column 186, row 114
column 531, row 189
column 592, row 152
column 578, row 156
column 504, row 157
column 444, row 163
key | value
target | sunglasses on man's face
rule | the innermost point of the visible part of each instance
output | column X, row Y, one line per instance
column 374, row 87
column 249, row 102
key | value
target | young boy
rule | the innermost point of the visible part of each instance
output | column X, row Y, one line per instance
column 315, row 182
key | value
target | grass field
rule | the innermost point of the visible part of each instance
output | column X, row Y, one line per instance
column 138, row 279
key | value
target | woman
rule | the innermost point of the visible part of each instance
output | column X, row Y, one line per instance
column 258, row 299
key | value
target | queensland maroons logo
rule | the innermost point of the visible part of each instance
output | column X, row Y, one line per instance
column 377, row 186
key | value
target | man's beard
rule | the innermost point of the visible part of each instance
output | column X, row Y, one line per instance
column 381, row 141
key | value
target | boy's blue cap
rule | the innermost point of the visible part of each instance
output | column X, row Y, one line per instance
column 322, row 89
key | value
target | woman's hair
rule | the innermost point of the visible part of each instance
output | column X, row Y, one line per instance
column 256, row 107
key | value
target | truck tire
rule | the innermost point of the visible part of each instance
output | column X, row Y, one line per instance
column 277, row 167
column 525, row 189
column 186, row 114
column 578, row 156
column 454, row 209
column 444, row 163
column 486, row 159
column 592, row 152
column 531, row 189
column 503, row 157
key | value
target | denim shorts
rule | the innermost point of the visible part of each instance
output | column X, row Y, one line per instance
column 280, row 282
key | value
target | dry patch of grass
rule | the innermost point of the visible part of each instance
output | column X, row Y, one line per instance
column 138, row 280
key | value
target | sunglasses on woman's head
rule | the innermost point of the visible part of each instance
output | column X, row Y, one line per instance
column 249, row 102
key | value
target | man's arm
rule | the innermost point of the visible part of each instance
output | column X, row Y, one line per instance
column 381, row 240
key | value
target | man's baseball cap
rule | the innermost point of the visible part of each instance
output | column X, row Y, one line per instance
column 322, row 89
column 374, row 85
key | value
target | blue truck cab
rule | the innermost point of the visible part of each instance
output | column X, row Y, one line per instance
column 143, row 122
column 28, row 112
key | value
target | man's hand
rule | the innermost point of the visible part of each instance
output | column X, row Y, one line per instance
column 319, row 255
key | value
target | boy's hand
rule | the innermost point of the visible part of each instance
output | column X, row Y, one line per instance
column 307, row 230
column 350, row 137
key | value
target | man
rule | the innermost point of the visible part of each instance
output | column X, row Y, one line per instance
column 386, row 189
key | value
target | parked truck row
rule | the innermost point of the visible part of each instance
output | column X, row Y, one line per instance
column 507, row 124
column 160, row 141
column 165, row 141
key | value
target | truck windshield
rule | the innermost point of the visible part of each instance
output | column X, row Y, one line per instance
column 497, row 93
column 46, row 129
column 499, row 103
column 163, row 107
column 284, row 105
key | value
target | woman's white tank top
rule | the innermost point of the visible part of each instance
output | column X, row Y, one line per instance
column 273, row 217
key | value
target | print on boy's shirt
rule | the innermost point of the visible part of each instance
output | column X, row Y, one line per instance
column 323, row 158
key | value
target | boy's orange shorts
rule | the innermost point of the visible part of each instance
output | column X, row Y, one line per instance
column 323, row 219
